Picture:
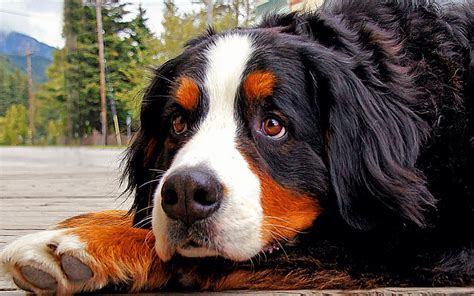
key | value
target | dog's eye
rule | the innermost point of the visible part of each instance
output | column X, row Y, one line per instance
column 179, row 124
column 273, row 128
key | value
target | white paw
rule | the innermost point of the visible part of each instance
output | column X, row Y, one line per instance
column 48, row 261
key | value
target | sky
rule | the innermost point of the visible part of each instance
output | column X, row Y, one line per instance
column 42, row 19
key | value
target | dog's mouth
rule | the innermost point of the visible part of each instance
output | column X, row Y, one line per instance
column 197, row 240
column 193, row 248
column 201, row 241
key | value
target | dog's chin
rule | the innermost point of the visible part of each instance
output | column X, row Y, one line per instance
column 202, row 239
column 196, row 251
column 192, row 247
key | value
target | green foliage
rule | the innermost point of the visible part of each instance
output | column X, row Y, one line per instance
column 180, row 28
column 13, row 86
column 145, row 48
column 14, row 126
column 74, row 75
column 54, row 132
column 68, row 104
column 51, row 102
column 39, row 65
column 7, row 66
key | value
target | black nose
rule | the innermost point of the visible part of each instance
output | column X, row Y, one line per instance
column 191, row 195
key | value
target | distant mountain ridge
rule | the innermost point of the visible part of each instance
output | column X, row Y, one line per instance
column 14, row 43
column 13, row 46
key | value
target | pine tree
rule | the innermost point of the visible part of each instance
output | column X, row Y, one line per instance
column 72, row 16
column 69, row 101
column 81, row 70
column 13, row 87
column 145, row 49
column 52, row 100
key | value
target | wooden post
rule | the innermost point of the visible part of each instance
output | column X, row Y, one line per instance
column 103, row 102
column 31, row 98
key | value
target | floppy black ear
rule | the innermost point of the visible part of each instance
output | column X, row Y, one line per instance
column 143, row 153
column 373, row 139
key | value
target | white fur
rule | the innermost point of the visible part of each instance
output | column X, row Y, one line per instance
column 240, row 216
column 33, row 250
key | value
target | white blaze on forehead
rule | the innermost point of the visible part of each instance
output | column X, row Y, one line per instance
column 238, row 220
column 227, row 62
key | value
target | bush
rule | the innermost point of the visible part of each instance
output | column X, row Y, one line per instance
column 14, row 126
column 54, row 130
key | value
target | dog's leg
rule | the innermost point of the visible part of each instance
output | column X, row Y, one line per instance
column 85, row 253
column 92, row 251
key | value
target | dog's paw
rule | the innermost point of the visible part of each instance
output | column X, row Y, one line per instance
column 50, row 261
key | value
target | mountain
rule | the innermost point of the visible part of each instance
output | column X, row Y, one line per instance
column 13, row 47
column 14, row 43
column 38, row 65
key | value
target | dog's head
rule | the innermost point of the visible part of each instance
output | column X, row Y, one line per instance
column 247, row 133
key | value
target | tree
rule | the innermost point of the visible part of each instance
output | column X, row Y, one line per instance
column 69, row 101
column 145, row 50
column 72, row 27
column 13, row 87
column 15, row 125
column 52, row 102
column 178, row 28
column 81, row 64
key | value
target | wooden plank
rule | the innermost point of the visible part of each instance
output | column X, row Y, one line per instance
column 373, row 292
column 41, row 186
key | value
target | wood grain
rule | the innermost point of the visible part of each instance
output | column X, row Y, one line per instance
column 41, row 186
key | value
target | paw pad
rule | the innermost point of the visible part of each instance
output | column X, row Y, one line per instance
column 75, row 270
column 22, row 284
column 38, row 278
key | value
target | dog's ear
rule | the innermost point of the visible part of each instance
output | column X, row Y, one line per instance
column 373, row 138
column 147, row 144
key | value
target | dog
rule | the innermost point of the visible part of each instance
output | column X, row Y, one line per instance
column 331, row 149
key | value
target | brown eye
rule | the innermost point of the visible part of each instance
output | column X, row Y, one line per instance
column 179, row 124
column 272, row 127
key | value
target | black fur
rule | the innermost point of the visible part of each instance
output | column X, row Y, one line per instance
column 379, row 100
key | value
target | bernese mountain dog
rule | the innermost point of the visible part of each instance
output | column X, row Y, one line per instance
column 331, row 149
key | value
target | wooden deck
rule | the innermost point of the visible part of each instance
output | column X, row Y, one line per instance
column 41, row 186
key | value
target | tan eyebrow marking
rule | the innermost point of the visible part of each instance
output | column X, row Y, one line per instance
column 259, row 84
column 187, row 93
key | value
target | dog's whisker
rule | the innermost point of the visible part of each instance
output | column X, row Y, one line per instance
column 160, row 96
column 281, row 247
column 157, row 170
column 252, row 265
column 264, row 255
column 279, row 235
column 161, row 76
column 144, row 209
column 149, row 182
column 143, row 222
column 148, row 236
column 278, row 218
column 285, row 227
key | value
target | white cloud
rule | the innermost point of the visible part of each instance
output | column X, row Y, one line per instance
column 154, row 13
column 39, row 19
column 43, row 19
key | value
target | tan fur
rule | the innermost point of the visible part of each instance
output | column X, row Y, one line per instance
column 119, row 253
column 258, row 85
column 187, row 93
